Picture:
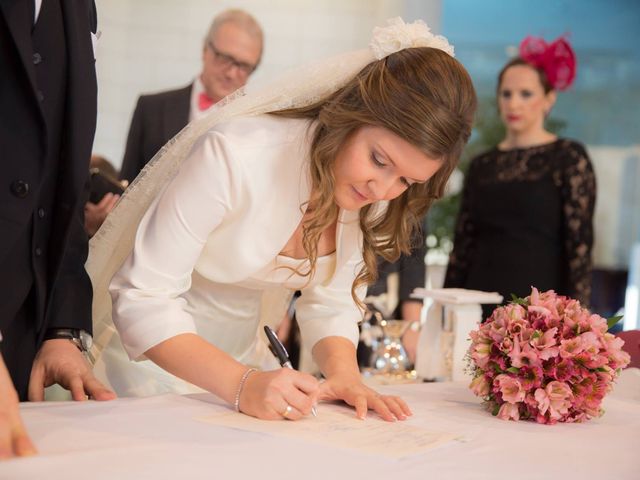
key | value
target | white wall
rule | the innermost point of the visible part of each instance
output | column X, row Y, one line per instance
column 617, row 215
column 153, row 45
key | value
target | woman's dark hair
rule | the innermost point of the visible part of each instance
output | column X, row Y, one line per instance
column 519, row 61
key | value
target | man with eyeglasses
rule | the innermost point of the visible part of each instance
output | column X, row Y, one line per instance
column 231, row 52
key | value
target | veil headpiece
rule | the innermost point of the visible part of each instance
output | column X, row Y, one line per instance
column 297, row 88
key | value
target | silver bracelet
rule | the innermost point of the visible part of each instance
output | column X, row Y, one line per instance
column 245, row 375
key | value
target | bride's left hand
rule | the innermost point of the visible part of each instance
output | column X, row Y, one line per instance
column 352, row 391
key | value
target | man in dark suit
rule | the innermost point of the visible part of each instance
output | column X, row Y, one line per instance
column 47, row 123
column 231, row 52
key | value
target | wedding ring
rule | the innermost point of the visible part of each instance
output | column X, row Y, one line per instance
column 287, row 411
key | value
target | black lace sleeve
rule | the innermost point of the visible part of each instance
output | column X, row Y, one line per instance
column 464, row 238
column 578, row 190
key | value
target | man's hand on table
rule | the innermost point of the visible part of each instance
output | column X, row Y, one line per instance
column 60, row 361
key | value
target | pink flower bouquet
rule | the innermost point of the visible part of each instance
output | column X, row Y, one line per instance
column 545, row 358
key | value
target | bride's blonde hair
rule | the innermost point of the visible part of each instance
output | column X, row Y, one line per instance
column 424, row 96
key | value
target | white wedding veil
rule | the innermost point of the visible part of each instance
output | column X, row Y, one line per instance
column 300, row 87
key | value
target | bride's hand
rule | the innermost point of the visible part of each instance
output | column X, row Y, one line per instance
column 279, row 394
column 352, row 391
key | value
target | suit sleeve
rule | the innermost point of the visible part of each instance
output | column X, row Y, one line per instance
column 71, row 298
column 134, row 159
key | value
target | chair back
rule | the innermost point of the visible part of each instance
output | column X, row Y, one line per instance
column 631, row 346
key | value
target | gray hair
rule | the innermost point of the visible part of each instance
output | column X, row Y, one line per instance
column 242, row 19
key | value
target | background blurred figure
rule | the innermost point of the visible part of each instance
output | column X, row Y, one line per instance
column 104, row 192
column 47, row 124
column 231, row 52
column 527, row 208
column 394, row 286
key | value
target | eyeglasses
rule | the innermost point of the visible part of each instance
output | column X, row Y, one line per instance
column 228, row 61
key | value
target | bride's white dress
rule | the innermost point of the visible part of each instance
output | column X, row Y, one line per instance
column 206, row 258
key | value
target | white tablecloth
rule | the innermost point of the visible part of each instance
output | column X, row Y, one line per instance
column 159, row 437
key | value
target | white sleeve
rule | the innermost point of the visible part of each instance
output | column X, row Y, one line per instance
column 146, row 291
column 329, row 310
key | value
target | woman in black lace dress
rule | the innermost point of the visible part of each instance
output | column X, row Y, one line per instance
column 527, row 207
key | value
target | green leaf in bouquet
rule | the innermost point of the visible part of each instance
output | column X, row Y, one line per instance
column 519, row 300
column 513, row 370
column 611, row 321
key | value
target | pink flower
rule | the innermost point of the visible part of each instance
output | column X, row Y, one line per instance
column 510, row 388
column 523, row 354
column 590, row 342
column 530, row 377
column 534, row 298
column 611, row 342
column 538, row 316
column 518, row 324
column 506, row 345
column 497, row 329
column 564, row 370
column 618, row 358
column 606, row 375
column 531, row 403
column 498, row 362
column 509, row 411
column 550, row 301
column 543, row 400
column 589, row 394
column 598, row 324
column 554, row 399
column 571, row 347
column 545, row 343
column 577, row 417
column 480, row 348
column 571, row 316
column 480, row 386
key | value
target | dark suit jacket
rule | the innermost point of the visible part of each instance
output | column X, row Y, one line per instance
column 156, row 120
column 22, row 152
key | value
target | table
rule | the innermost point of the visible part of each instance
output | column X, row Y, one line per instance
column 161, row 438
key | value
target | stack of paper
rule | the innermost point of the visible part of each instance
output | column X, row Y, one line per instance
column 457, row 296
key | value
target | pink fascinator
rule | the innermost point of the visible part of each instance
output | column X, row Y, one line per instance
column 556, row 59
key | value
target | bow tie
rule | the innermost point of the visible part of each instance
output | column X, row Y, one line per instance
column 204, row 101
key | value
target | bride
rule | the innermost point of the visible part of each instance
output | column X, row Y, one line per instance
column 298, row 187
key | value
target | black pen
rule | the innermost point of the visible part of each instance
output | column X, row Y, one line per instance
column 281, row 354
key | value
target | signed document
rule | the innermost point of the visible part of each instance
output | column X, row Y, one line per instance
column 337, row 426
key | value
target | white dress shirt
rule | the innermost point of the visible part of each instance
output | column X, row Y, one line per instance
column 38, row 5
